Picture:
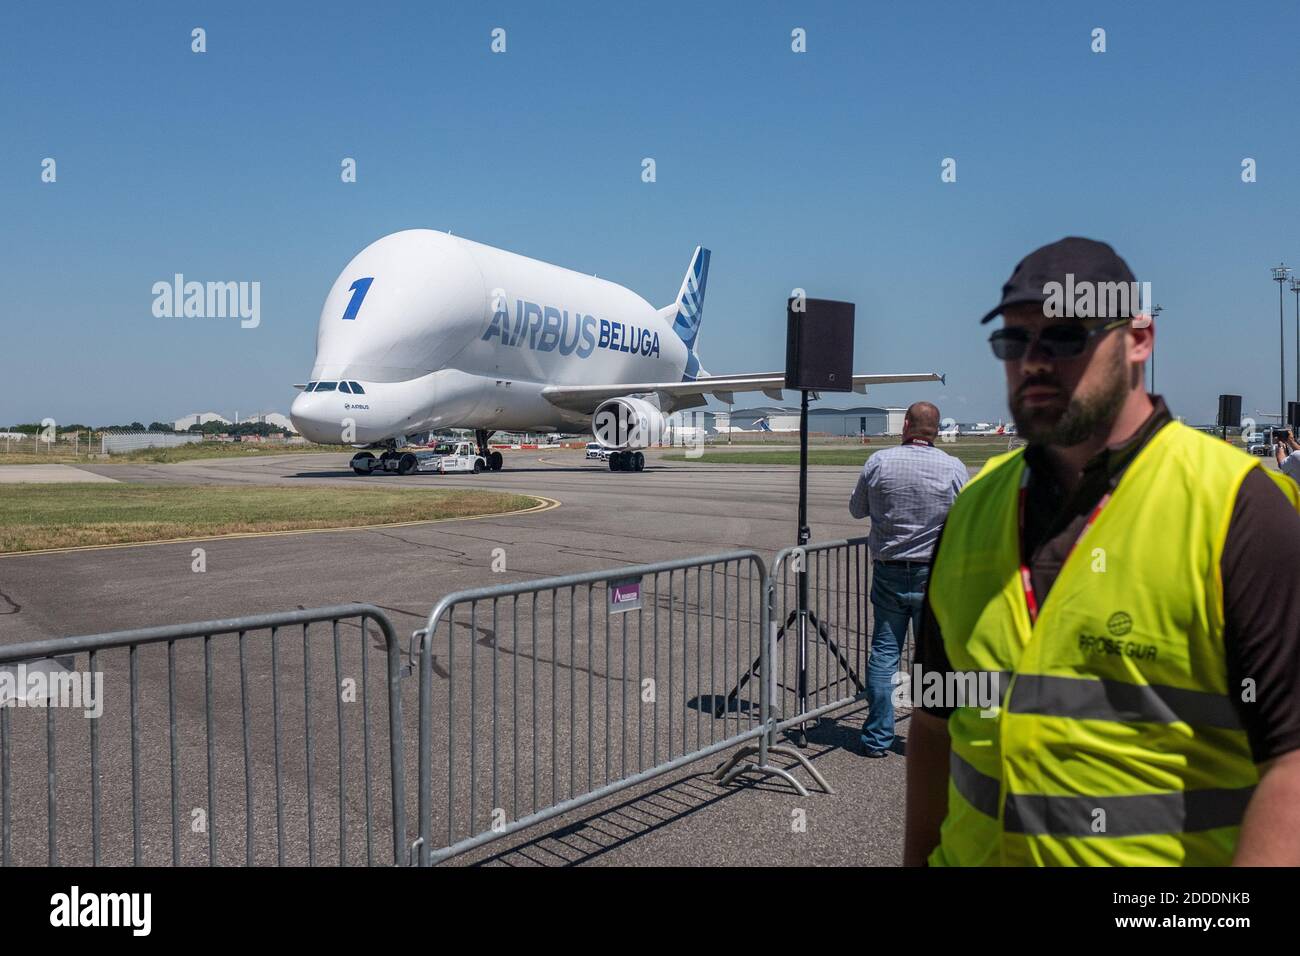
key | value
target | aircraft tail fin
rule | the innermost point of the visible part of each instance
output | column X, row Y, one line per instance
column 689, row 308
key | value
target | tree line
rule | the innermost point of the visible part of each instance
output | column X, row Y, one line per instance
column 262, row 429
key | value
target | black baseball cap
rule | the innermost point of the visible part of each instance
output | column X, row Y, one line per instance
column 1086, row 259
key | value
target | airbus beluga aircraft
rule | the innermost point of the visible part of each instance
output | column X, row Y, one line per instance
column 424, row 330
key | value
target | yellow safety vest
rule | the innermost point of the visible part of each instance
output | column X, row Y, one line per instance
column 1116, row 742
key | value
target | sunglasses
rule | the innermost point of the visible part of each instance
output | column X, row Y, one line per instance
column 1060, row 341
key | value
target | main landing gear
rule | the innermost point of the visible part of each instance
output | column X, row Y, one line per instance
column 364, row 463
column 495, row 461
column 626, row 461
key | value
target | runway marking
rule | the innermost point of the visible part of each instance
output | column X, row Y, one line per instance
column 544, row 504
column 49, row 474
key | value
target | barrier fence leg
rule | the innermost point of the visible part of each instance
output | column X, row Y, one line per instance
column 420, row 847
column 736, row 765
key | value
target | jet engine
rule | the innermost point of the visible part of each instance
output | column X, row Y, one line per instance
column 628, row 423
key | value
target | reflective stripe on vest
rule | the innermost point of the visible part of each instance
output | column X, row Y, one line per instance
column 1181, row 811
column 1101, row 699
column 979, row 789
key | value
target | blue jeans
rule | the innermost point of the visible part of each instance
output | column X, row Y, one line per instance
column 896, row 596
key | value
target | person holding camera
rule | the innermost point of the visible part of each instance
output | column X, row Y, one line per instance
column 1288, row 453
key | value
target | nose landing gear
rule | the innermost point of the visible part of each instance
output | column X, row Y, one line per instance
column 495, row 462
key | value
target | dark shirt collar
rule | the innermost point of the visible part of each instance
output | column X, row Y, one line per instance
column 1114, row 458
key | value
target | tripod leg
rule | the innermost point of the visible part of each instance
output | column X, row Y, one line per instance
column 829, row 641
column 726, row 705
column 732, row 697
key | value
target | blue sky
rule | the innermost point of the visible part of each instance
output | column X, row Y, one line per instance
column 818, row 170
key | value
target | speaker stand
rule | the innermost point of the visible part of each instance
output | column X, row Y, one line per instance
column 802, row 616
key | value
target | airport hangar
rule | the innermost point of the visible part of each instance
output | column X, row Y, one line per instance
column 872, row 420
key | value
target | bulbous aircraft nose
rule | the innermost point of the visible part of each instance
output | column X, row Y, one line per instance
column 311, row 416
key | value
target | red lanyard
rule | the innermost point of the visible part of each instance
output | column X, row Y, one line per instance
column 1026, row 578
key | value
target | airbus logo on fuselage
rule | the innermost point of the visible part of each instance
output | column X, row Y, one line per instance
column 548, row 329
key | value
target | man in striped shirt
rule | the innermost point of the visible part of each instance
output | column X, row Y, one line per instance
column 906, row 492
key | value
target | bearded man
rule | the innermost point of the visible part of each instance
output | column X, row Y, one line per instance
column 1129, row 585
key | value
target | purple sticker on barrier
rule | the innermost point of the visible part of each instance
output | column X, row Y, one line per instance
column 624, row 595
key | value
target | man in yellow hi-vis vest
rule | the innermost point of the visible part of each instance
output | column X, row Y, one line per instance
column 1108, row 668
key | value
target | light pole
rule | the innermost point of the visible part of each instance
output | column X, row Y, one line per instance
column 1295, row 287
column 1280, row 272
column 1154, row 312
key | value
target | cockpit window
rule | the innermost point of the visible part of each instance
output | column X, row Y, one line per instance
column 309, row 386
column 343, row 387
column 326, row 386
column 357, row 389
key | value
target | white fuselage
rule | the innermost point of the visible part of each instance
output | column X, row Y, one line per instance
column 453, row 333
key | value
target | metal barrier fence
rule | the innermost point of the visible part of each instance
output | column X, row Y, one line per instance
column 68, row 444
column 121, row 442
column 226, row 706
column 546, row 696
column 834, row 672
column 552, row 694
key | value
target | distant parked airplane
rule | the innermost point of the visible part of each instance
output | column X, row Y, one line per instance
column 984, row 428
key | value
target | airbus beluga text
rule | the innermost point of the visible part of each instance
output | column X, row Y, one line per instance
column 424, row 330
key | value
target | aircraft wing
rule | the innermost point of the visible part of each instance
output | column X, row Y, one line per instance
column 691, row 394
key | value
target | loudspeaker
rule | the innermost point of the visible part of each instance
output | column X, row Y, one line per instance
column 1230, row 411
column 1293, row 414
column 819, row 345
